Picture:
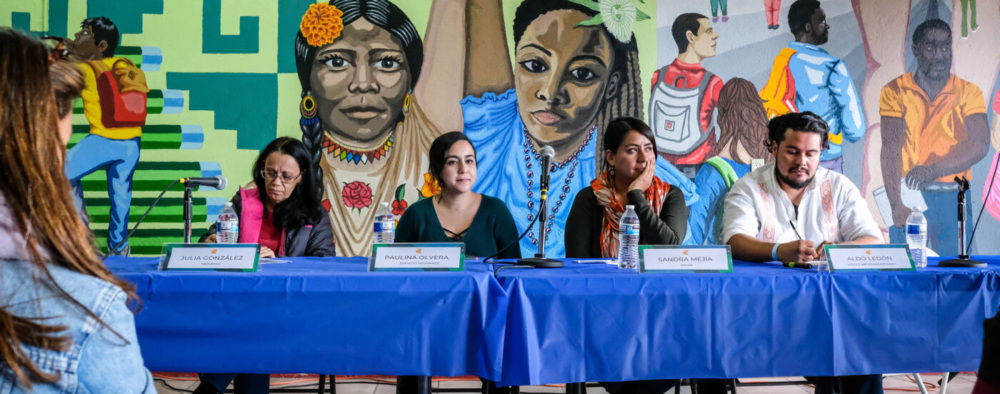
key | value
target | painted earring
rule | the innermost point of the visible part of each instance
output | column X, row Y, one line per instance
column 308, row 108
column 611, row 171
column 406, row 102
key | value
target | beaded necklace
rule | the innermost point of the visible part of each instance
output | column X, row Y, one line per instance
column 529, row 153
column 365, row 156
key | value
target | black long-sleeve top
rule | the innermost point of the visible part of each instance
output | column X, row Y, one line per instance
column 583, row 227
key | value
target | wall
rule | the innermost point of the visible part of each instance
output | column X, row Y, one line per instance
column 224, row 83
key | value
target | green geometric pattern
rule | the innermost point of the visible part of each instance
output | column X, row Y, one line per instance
column 212, row 39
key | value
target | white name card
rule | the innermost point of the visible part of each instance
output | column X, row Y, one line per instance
column 213, row 257
column 869, row 257
column 690, row 258
column 418, row 257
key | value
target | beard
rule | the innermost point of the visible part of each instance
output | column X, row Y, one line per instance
column 793, row 183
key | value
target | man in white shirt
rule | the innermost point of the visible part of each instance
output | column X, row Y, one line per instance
column 788, row 209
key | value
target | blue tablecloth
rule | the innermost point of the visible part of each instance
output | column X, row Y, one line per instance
column 321, row 316
column 596, row 322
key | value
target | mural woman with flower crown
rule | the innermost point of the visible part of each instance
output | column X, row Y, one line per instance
column 365, row 116
column 576, row 69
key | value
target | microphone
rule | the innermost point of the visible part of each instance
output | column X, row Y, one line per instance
column 218, row 182
column 543, row 182
column 539, row 261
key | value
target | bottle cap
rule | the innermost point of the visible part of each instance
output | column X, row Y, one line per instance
column 384, row 204
column 627, row 207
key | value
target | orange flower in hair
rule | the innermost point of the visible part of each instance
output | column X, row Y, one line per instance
column 321, row 24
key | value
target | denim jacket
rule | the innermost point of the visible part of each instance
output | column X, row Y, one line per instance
column 98, row 360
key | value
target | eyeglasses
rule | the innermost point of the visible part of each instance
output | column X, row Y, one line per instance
column 270, row 174
column 60, row 51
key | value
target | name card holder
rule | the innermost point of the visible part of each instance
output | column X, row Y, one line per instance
column 702, row 259
column 436, row 256
column 894, row 257
column 210, row 257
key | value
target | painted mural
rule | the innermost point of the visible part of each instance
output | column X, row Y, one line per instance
column 908, row 88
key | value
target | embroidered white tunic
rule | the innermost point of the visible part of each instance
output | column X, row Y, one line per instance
column 831, row 210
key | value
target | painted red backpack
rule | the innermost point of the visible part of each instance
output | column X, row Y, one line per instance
column 122, row 89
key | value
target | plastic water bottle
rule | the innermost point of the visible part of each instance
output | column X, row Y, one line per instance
column 228, row 225
column 385, row 224
column 916, row 236
column 628, row 239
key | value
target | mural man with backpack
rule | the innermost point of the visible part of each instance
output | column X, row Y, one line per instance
column 806, row 77
column 114, row 102
column 684, row 96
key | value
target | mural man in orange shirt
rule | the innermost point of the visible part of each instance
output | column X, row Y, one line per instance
column 933, row 129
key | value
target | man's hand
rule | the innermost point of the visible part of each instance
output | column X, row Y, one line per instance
column 920, row 175
column 899, row 214
column 802, row 251
column 820, row 251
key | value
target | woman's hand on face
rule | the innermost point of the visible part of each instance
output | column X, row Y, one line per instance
column 645, row 180
column 212, row 239
column 266, row 252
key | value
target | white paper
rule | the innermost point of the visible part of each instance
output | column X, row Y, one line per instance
column 912, row 198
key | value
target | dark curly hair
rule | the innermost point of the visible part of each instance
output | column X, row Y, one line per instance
column 798, row 121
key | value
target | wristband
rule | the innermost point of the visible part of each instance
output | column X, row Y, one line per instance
column 774, row 252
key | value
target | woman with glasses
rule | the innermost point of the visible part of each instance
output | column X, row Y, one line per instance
column 281, row 211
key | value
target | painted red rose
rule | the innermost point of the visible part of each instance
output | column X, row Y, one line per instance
column 357, row 195
column 398, row 207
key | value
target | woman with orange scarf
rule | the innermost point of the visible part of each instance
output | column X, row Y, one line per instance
column 627, row 179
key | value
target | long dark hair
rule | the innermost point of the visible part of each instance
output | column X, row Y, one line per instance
column 623, row 92
column 381, row 13
column 438, row 154
column 742, row 119
column 38, row 196
column 303, row 206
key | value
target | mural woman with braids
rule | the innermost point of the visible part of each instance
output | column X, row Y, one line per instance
column 360, row 63
column 576, row 68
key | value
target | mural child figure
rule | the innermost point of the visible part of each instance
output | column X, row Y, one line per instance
column 743, row 131
column 111, row 145
column 571, row 77
column 934, row 128
column 772, row 10
column 822, row 84
column 359, row 63
column 716, row 4
column 684, row 97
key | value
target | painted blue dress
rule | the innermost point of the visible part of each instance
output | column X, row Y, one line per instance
column 509, row 169
column 704, row 218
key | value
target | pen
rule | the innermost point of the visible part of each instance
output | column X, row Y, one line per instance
column 799, row 236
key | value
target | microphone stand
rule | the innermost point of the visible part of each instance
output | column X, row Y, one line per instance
column 539, row 261
column 963, row 258
column 188, row 207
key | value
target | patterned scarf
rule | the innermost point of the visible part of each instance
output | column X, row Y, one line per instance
column 613, row 209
